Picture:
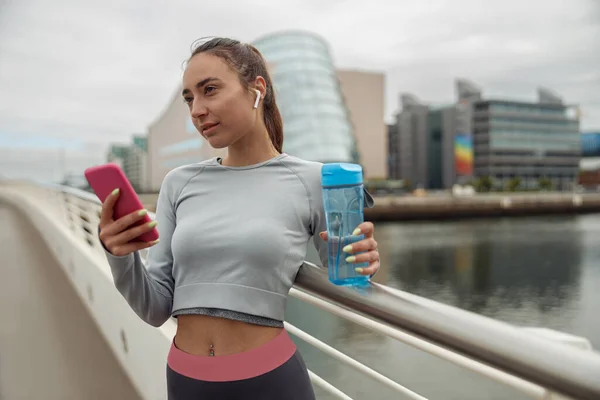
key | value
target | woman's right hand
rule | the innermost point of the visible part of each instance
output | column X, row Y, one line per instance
column 118, row 236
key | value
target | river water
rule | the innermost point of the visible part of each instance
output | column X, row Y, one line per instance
column 534, row 272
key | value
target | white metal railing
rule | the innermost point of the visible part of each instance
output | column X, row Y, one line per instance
column 67, row 219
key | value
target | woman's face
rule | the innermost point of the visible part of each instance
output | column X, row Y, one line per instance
column 220, row 107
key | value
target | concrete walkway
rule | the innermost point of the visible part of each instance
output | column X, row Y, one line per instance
column 49, row 346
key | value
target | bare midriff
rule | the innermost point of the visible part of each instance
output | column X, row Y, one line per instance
column 204, row 335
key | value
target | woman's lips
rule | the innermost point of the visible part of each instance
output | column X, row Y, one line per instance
column 210, row 130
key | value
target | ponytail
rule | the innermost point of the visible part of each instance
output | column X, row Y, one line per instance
column 272, row 118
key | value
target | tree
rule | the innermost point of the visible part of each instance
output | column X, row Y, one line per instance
column 545, row 184
column 482, row 184
column 513, row 184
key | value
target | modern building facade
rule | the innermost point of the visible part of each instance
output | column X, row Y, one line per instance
column 475, row 137
column 133, row 160
column 589, row 166
column 316, row 121
column 363, row 94
column 393, row 157
column 424, row 150
column 412, row 141
column 590, row 144
column 442, row 131
column 136, row 164
column 329, row 115
column 117, row 153
column 527, row 140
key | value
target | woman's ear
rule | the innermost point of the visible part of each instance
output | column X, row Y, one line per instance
column 261, row 85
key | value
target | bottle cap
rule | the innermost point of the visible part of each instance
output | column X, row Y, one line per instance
column 341, row 174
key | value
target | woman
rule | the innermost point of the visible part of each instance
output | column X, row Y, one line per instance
column 233, row 234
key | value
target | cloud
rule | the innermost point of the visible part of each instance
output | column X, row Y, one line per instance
column 97, row 72
column 509, row 49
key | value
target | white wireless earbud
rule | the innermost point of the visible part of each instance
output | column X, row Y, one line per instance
column 257, row 98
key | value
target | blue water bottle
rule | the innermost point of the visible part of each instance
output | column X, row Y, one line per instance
column 343, row 200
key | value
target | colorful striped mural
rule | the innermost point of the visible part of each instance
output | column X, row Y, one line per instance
column 463, row 155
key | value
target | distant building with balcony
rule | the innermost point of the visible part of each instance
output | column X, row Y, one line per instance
column 527, row 140
column 476, row 137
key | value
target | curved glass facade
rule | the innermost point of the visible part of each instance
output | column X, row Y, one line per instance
column 316, row 121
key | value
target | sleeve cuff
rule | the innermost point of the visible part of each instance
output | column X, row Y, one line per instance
column 110, row 255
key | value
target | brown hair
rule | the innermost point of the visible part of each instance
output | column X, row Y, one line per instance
column 249, row 63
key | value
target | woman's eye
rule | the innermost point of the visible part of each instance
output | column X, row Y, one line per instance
column 209, row 89
column 188, row 100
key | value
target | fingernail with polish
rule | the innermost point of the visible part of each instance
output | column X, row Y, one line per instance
column 359, row 270
column 356, row 232
column 141, row 213
column 115, row 192
column 347, row 249
column 350, row 259
column 152, row 224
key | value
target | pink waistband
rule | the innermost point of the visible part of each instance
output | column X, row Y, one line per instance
column 234, row 367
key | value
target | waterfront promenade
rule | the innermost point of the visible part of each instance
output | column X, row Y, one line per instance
column 445, row 206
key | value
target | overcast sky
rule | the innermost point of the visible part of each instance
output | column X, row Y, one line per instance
column 77, row 74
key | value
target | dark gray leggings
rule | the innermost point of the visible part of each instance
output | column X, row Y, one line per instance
column 289, row 381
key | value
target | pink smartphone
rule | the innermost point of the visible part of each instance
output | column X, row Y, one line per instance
column 107, row 177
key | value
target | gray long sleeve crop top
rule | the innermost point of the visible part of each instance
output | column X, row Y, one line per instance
column 231, row 241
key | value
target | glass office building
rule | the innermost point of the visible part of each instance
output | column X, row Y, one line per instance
column 590, row 144
column 527, row 140
column 316, row 120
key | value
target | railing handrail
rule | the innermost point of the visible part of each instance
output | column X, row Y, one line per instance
column 82, row 194
column 566, row 370
column 563, row 369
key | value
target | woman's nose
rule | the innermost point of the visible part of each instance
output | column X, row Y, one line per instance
column 199, row 109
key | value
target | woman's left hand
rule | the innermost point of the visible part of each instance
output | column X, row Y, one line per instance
column 368, row 245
